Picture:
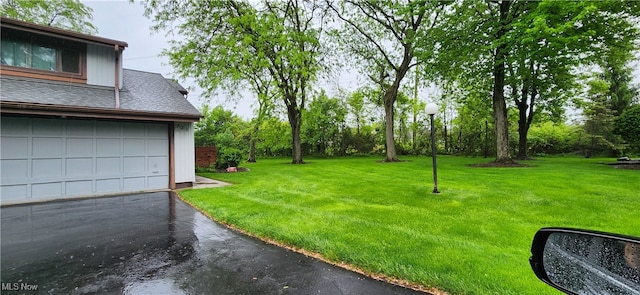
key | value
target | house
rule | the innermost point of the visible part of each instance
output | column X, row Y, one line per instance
column 74, row 123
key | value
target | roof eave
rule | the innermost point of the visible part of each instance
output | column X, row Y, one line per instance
column 21, row 108
column 60, row 33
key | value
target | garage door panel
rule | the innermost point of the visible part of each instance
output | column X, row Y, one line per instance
column 14, row 170
column 79, row 128
column 13, row 193
column 51, row 127
column 46, row 190
column 134, row 183
column 83, row 187
column 158, row 181
column 157, row 130
column 47, row 147
column 134, row 147
column 156, row 147
column 133, row 130
column 56, row 158
column 14, row 147
column 158, row 166
column 134, row 166
column 79, row 167
column 108, row 129
column 15, row 126
column 46, row 168
column 108, row 147
column 108, row 166
column 79, row 147
column 108, row 185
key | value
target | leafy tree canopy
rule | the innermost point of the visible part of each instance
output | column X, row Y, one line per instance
column 64, row 14
column 628, row 125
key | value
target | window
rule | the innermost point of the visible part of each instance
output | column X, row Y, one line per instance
column 39, row 52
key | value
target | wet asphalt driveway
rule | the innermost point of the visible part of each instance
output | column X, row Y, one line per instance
column 153, row 243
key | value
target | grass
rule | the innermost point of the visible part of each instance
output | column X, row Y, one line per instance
column 472, row 238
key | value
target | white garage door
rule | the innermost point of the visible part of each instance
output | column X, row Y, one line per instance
column 46, row 158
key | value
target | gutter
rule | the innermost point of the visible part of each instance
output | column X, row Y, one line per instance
column 18, row 108
column 59, row 33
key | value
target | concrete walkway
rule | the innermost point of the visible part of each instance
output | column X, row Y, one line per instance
column 203, row 182
column 153, row 243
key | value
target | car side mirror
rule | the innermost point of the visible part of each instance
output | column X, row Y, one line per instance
column 586, row 262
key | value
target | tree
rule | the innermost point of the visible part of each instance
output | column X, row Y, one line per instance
column 324, row 122
column 616, row 71
column 417, row 106
column 556, row 38
column 359, row 105
column 262, row 85
column 356, row 106
column 474, row 44
column 215, row 121
column 382, row 35
column 222, row 40
column 506, row 12
column 470, row 134
column 222, row 129
column 618, row 41
column 600, row 118
column 628, row 125
column 64, row 14
column 541, row 63
column 529, row 48
column 273, row 138
column 403, row 108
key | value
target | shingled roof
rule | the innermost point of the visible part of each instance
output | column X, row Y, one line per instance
column 143, row 95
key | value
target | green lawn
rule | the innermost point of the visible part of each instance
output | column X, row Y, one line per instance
column 473, row 238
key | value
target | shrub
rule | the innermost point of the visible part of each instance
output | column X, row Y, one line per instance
column 228, row 157
column 549, row 138
column 628, row 126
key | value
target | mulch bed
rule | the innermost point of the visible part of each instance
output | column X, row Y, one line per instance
column 240, row 169
column 633, row 164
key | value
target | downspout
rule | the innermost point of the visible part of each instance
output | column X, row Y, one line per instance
column 117, row 77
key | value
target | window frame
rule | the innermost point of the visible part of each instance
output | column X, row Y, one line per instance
column 31, row 39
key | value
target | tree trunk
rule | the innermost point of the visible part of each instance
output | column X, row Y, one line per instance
column 499, row 104
column 414, row 126
column 295, row 120
column 486, row 139
column 446, row 140
column 389, row 99
column 523, row 129
column 500, row 111
column 525, row 110
column 524, row 122
column 252, row 144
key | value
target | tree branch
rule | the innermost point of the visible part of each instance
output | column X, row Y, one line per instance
column 365, row 34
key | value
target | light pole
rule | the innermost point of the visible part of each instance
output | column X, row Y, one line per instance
column 431, row 110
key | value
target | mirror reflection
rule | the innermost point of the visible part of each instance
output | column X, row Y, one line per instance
column 586, row 264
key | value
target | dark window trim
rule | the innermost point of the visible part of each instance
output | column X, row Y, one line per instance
column 59, row 45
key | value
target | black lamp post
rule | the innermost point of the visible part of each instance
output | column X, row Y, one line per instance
column 431, row 110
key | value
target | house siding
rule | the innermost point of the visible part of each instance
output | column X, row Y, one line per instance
column 100, row 66
column 184, row 152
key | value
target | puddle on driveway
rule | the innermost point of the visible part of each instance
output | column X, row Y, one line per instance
column 153, row 243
